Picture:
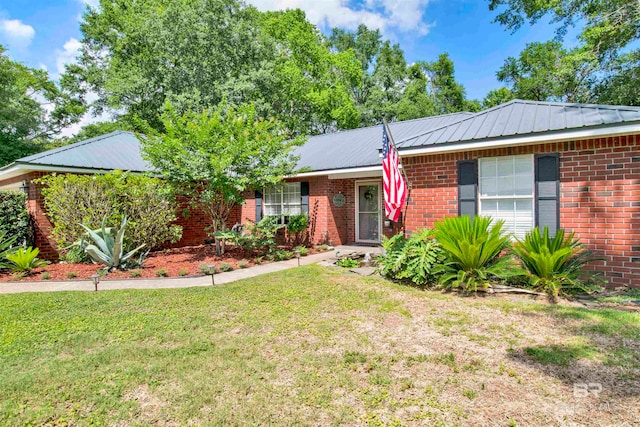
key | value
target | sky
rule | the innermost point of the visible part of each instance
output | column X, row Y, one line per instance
column 46, row 33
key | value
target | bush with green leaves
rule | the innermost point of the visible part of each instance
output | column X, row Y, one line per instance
column 348, row 263
column 24, row 260
column 6, row 246
column 14, row 217
column 297, row 229
column 148, row 203
column 554, row 264
column 259, row 238
column 108, row 247
column 411, row 259
column 473, row 252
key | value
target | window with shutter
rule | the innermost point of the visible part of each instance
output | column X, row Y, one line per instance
column 506, row 191
column 283, row 200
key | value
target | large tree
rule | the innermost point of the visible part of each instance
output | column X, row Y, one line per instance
column 214, row 156
column 138, row 54
column 33, row 109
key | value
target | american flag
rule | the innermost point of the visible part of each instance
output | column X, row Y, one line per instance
column 395, row 187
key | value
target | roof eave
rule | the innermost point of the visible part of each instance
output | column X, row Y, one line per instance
column 19, row 168
column 528, row 139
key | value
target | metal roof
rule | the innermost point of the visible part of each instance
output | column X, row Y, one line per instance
column 359, row 147
column 117, row 150
column 518, row 117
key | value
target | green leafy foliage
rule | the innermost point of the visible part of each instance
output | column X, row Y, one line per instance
column 472, row 252
column 213, row 157
column 297, row 229
column 148, row 203
column 348, row 263
column 411, row 259
column 25, row 259
column 25, row 123
column 6, row 246
column 14, row 217
column 258, row 238
column 553, row 264
column 108, row 247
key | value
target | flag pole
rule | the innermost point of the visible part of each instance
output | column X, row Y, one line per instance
column 404, row 174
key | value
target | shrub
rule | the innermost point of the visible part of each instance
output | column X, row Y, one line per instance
column 206, row 269
column 553, row 264
column 412, row 259
column 243, row 263
column 348, row 263
column 280, row 255
column 14, row 217
column 45, row 275
column 472, row 252
column 183, row 272
column 259, row 238
column 297, row 228
column 25, row 259
column 162, row 272
column 72, row 275
column 107, row 247
column 302, row 250
column 224, row 267
column 6, row 246
column 147, row 202
column 135, row 273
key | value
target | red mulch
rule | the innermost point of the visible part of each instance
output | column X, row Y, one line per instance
column 186, row 259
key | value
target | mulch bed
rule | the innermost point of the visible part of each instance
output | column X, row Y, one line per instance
column 176, row 262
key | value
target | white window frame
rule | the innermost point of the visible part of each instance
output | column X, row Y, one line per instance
column 279, row 191
column 513, row 197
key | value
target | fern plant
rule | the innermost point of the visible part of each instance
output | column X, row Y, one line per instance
column 472, row 252
column 553, row 264
column 25, row 259
column 412, row 259
column 107, row 248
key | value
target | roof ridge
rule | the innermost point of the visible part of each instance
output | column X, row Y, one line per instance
column 577, row 105
column 392, row 123
column 39, row 156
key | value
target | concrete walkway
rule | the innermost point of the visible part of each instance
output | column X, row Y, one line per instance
column 178, row 282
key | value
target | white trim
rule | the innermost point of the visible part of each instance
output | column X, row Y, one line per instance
column 338, row 171
column 357, row 208
column 21, row 169
column 523, row 140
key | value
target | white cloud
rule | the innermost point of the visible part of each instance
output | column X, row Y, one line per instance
column 16, row 33
column 400, row 16
column 67, row 55
column 91, row 3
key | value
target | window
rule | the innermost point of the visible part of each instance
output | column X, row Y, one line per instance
column 506, row 191
column 283, row 200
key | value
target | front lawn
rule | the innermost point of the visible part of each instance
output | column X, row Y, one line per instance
column 313, row 346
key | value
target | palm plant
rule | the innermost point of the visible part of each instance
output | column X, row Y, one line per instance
column 553, row 263
column 472, row 251
column 25, row 259
column 6, row 247
column 108, row 249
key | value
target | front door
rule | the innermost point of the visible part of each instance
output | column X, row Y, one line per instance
column 368, row 215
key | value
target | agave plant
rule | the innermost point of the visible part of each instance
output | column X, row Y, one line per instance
column 108, row 249
column 25, row 259
column 472, row 251
column 553, row 263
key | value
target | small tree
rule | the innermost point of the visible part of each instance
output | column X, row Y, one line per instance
column 214, row 156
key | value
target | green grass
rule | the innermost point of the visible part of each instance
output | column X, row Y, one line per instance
column 304, row 346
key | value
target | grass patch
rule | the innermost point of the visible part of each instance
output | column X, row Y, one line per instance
column 304, row 346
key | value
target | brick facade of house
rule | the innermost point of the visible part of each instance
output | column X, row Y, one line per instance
column 599, row 200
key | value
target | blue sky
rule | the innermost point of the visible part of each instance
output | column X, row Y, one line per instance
column 45, row 33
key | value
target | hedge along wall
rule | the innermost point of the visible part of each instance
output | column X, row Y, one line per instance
column 14, row 217
column 150, row 206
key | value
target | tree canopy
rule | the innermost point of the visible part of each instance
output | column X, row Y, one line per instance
column 33, row 109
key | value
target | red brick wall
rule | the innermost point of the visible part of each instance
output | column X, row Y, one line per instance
column 599, row 196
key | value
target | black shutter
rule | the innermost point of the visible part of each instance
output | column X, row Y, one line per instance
column 258, row 206
column 467, row 188
column 548, row 192
column 304, row 198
